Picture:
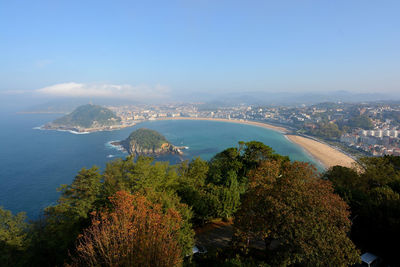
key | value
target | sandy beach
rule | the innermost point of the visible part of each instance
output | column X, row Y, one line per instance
column 327, row 155
column 254, row 123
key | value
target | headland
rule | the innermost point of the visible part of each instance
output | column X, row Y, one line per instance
column 86, row 119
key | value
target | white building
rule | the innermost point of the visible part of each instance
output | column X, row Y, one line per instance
column 363, row 132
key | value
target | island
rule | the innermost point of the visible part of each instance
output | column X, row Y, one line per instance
column 147, row 142
column 85, row 119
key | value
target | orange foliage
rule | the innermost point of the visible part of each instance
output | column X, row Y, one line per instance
column 136, row 232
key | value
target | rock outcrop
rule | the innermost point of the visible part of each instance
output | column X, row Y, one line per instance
column 148, row 142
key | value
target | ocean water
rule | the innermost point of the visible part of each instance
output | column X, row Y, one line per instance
column 34, row 163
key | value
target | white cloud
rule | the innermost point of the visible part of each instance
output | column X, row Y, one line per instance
column 125, row 91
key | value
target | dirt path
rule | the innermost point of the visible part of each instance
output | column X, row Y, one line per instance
column 215, row 235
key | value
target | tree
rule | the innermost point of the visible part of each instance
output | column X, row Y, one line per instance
column 254, row 152
column 157, row 181
column 227, row 175
column 222, row 163
column 361, row 121
column 327, row 129
column 373, row 194
column 64, row 221
column 229, row 196
column 139, row 176
column 193, row 190
column 135, row 232
column 77, row 199
column 13, row 238
column 289, row 204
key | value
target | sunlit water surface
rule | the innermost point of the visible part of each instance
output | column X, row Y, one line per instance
column 34, row 163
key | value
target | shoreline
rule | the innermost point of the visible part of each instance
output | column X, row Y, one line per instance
column 254, row 123
column 326, row 155
column 83, row 130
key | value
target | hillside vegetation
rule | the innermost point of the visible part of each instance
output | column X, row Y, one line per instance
column 147, row 139
column 138, row 212
column 88, row 116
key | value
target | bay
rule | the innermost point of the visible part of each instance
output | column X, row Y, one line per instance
column 34, row 163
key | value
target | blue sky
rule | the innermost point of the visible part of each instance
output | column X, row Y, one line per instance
column 159, row 48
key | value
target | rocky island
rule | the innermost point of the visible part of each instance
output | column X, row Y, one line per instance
column 147, row 142
column 87, row 118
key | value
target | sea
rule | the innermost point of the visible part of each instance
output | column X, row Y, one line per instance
column 34, row 162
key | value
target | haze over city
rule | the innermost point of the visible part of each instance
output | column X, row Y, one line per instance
column 197, row 50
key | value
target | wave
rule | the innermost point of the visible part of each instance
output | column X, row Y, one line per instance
column 69, row 131
column 113, row 146
column 73, row 132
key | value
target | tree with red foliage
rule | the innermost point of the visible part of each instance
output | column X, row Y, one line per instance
column 134, row 232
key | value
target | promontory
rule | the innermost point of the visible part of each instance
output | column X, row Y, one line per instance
column 86, row 118
column 147, row 142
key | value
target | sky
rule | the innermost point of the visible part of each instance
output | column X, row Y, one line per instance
column 163, row 49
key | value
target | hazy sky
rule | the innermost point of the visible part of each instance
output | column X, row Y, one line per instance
column 159, row 48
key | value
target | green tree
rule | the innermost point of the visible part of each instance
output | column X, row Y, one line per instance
column 158, row 182
column 223, row 162
column 229, row 196
column 141, row 176
column 13, row 238
column 328, row 130
column 361, row 121
column 298, row 216
column 373, row 193
column 65, row 220
column 193, row 190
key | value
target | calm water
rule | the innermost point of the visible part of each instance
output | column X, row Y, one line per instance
column 33, row 163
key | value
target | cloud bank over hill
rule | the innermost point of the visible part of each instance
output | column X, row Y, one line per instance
column 104, row 90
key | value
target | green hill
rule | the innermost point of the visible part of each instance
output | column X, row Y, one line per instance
column 147, row 139
column 88, row 116
column 148, row 142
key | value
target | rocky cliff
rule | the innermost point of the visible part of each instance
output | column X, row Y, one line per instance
column 148, row 142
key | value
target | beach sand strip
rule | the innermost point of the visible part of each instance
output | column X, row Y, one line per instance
column 326, row 154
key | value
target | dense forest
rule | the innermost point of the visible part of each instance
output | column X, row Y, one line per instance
column 138, row 212
column 87, row 116
column 146, row 139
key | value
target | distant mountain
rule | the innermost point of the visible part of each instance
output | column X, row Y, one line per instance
column 69, row 104
column 295, row 98
column 147, row 142
column 54, row 107
column 282, row 97
column 86, row 117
